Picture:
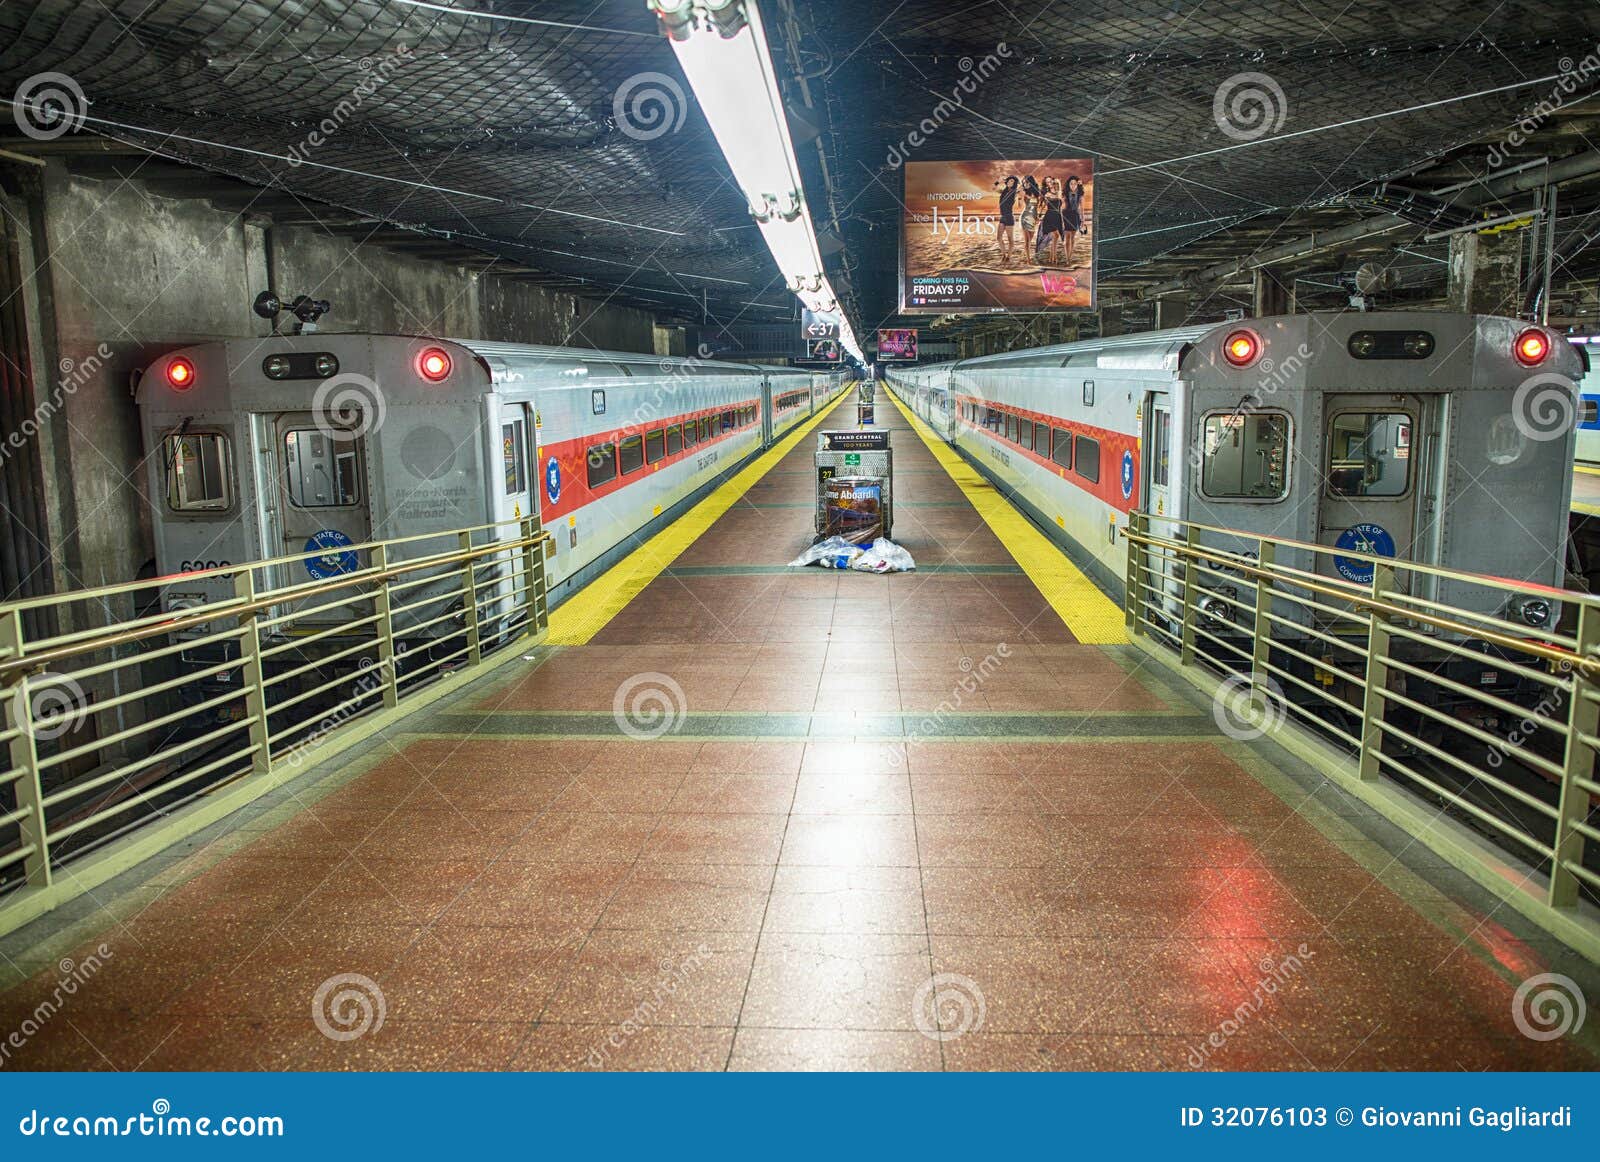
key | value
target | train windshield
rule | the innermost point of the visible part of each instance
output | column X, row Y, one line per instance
column 197, row 472
column 1369, row 454
column 1246, row 456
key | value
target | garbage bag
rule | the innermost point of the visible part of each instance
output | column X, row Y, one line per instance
column 884, row 557
column 833, row 553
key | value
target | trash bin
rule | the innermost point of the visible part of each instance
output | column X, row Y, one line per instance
column 862, row 463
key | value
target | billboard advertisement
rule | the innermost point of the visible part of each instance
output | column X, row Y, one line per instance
column 897, row 344
column 998, row 236
column 822, row 350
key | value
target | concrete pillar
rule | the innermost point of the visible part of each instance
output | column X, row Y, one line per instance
column 1111, row 320
column 1171, row 311
column 1485, row 273
column 1272, row 296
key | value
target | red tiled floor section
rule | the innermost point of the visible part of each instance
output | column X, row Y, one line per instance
column 831, row 903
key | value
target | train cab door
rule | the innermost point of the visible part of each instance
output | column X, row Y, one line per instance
column 1371, row 478
column 322, row 501
column 1157, row 493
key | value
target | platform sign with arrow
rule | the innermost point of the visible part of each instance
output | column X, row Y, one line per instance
column 818, row 325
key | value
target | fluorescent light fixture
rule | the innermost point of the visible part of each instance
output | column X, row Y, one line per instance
column 722, row 49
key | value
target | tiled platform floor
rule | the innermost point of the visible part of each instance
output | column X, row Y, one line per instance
column 898, row 823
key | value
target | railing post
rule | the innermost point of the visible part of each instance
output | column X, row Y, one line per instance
column 379, row 560
column 1191, row 576
column 469, row 585
column 533, row 574
column 1583, row 718
column 1377, row 677
column 251, row 678
column 25, row 758
column 1132, row 605
column 1261, row 632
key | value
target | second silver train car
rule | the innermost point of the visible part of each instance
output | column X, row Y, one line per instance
column 1406, row 434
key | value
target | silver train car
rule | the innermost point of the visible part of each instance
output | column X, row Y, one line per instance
column 1408, row 434
column 310, row 444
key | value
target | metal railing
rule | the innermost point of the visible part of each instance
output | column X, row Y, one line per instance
column 1408, row 677
column 150, row 709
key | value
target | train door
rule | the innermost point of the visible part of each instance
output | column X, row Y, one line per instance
column 516, row 458
column 1370, row 479
column 766, row 410
column 1157, row 455
column 322, row 502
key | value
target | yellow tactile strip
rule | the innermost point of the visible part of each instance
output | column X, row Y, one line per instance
column 1093, row 618
column 592, row 607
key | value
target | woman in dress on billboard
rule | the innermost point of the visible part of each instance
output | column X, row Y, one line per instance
column 1072, row 214
column 1031, row 195
column 1052, row 227
column 1008, row 218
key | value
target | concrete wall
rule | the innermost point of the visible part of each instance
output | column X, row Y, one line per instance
column 121, row 275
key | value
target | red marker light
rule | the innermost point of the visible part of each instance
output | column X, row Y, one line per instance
column 1241, row 348
column 180, row 373
column 1531, row 348
column 434, row 364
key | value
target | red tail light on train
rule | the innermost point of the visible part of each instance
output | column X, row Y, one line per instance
column 1532, row 347
column 434, row 364
column 1241, row 348
column 180, row 374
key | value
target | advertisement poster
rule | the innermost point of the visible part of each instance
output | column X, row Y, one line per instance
column 822, row 350
column 998, row 236
column 897, row 344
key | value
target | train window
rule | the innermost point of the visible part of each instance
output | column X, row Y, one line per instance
column 1025, row 434
column 321, row 468
column 197, row 472
column 705, row 427
column 602, row 464
column 1245, row 457
column 1588, row 413
column 1011, row 427
column 1062, row 452
column 1369, row 454
column 1041, row 439
column 515, row 457
column 691, row 433
column 630, row 454
column 727, row 421
column 1086, row 458
column 655, row 446
column 674, row 440
column 1161, row 430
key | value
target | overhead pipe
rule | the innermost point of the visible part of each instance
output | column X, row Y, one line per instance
column 1568, row 169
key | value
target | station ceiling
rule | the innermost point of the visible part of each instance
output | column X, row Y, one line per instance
column 520, row 134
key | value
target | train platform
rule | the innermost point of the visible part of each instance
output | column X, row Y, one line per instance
column 1586, row 490
column 741, row 816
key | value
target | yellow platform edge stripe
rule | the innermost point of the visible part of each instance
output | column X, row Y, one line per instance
column 1093, row 618
column 591, row 609
column 1587, row 469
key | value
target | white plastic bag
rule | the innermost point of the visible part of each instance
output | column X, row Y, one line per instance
column 884, row 557
column 833, row 553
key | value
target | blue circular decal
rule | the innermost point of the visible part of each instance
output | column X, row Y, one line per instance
column 335, row 557
column 1127, row 475
column 1362, row 538
column 552, row 480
